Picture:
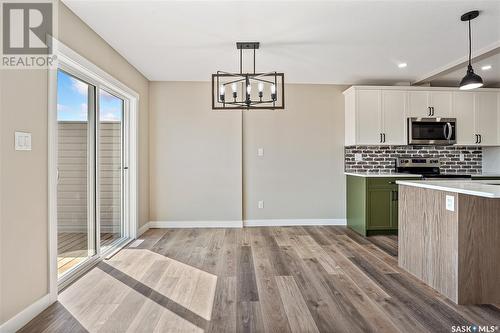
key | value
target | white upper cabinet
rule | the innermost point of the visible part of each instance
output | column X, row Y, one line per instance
column 375, row 116
column 463, row 105
column 368, row 121
column 378, row 115
column 418, row 104
column 486, row 114
column 430, row 103
column 394, row 117
column 477, row 118
column 440, row 103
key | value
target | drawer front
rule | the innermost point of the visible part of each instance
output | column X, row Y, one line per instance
column 386, row 182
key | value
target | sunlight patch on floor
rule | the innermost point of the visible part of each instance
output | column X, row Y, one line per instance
column 101, row 302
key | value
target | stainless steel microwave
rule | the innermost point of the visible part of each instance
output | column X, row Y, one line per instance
column 432, row 131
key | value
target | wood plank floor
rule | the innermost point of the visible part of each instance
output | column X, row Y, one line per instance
column 277, row 279
column 72, row 248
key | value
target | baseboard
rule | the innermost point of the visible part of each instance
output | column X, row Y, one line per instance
column 196, row 224
column 143, row 229
column 293, row 222
column 239, row 224
column 22, row 318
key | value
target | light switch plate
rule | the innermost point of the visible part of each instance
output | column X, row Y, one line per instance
column 261, row 204
column 358, row 157
column 450, row 203
column 260, row 152
column 22, row 141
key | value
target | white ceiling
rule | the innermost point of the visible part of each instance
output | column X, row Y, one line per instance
column 342, row 42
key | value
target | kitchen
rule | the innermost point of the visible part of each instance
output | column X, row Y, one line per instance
column 403, row 139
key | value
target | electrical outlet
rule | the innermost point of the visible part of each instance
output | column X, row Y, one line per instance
column 261, row 204
column 462, row 157
column 358, row 157
column 450, row 203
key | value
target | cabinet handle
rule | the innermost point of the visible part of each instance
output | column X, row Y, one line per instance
column 384, row 137
column 432, row 108
column 477, row 138
column 430, row 112
column 380, row 137
column 480, row 138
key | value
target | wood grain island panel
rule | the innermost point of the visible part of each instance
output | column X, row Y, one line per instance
column 456, row 252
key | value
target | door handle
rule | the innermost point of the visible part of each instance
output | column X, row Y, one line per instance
column 450, row 131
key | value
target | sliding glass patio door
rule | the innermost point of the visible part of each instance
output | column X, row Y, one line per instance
column 91, row 123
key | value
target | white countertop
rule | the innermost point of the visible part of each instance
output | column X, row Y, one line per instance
column 382, row 175
column 480, row 188
column 487, row 174
column 394, row 174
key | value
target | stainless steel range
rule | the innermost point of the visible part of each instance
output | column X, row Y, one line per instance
column 429, row 168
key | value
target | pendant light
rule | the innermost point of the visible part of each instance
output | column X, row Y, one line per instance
column 470, row 80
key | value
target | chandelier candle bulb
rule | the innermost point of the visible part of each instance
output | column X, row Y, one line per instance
column 222, row 91
column 235, row 88
column 261, row 89
column 249, row 89
column 273, row 92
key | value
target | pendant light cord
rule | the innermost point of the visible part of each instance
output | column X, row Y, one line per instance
column 470, row 44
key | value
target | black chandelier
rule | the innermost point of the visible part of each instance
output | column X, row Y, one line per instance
column 248, row 90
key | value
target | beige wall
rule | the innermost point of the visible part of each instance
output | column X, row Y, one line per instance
column 301, row 173
column 23, row 175
column 195, row 156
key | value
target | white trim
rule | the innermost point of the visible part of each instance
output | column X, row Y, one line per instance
column 196, row 224
column 239, row 224
column 293, row 222
column 68, row 58
column 22, row 318
column 142, row 230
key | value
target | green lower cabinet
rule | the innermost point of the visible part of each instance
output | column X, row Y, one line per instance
column 372, row 205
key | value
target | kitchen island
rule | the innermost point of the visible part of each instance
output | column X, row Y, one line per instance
column 449, row 237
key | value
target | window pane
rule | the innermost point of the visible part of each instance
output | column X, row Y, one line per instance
column 110, row 167
column 74, row 223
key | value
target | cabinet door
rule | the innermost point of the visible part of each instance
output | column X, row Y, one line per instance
column 368, row 116
column 463, row 110
column 394, row 117
column 380, row 208
column 418, row 104
column 486, row 106
column 441, row 101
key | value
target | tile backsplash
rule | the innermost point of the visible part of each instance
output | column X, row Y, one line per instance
column 383, row 158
